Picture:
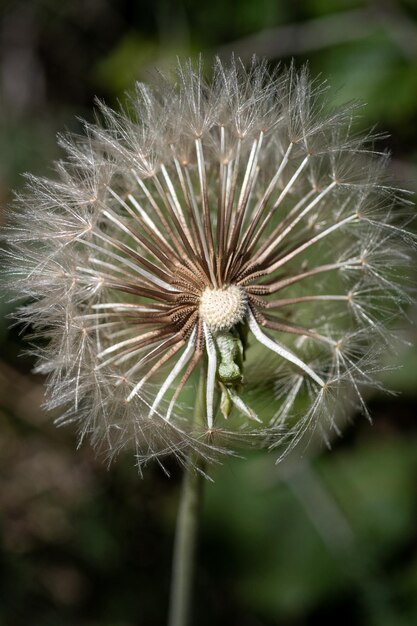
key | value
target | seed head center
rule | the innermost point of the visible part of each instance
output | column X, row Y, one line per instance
column 222, row 308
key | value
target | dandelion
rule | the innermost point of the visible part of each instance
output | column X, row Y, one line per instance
column 234, row 232
column 234, row 227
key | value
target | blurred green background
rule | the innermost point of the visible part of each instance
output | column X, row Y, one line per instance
column 329, row 537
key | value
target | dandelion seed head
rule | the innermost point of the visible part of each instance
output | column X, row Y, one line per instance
column 231, row 226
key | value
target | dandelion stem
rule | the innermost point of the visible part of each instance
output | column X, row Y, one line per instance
column 187, row 524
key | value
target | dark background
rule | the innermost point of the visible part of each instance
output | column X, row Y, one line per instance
column 327, row 538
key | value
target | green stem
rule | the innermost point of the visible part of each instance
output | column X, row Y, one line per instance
column 187, row 525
